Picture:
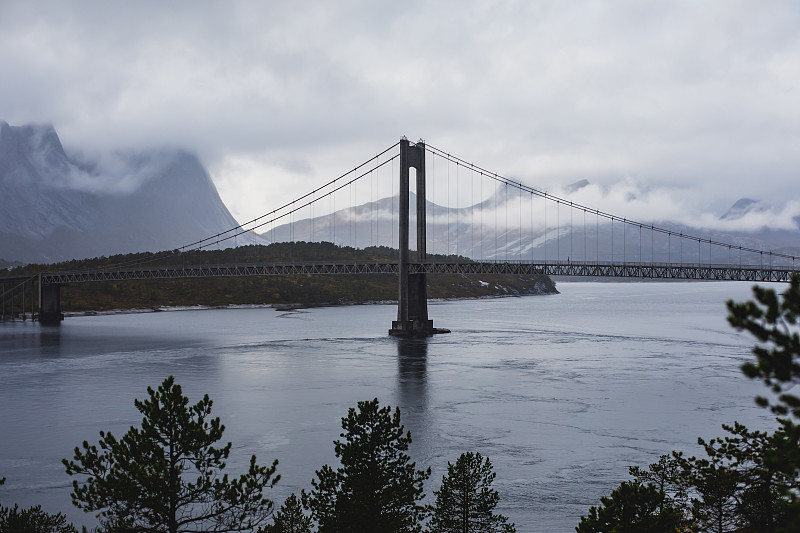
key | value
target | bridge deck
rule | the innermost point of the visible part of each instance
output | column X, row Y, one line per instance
column 577, row 269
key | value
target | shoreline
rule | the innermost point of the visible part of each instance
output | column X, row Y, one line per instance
column 280, row 307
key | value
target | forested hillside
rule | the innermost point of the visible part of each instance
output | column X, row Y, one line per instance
column 283, row 290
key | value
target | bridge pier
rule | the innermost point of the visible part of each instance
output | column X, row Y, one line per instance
column 50, row 304
column 412, row 302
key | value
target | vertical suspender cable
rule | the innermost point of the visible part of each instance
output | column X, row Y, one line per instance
column 377, row 203
column 530, row 234
column 355, row 216
column 433, row 203
column 585, row 253
column 480, row 212
column 505, row 208
column 371, row 179
column 393, row 197
column 352, row 214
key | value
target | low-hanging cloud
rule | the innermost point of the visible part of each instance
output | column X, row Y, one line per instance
column 696, row 100
column 115, row 172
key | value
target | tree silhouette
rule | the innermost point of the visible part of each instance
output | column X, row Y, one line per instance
column 633, row 508
column 465, row 501
column 33, row 520
column 166, row 475
column 377, row 487
column 773, row 321
column 289, row 519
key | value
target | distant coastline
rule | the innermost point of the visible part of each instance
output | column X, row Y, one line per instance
column 279, row 291
column 282, row 307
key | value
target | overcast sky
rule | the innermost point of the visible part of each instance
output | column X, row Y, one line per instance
column 696, row 103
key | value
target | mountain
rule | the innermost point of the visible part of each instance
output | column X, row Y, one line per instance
column 56, row 207
column 487, row 231
column 741, row 208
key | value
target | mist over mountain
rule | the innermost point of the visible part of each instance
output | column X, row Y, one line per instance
column 55, row 206
column 490, row 230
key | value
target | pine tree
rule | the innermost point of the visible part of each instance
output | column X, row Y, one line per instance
column 377, row 488
column 633, row 508
column 465, row 501
column 33, row 520
column 289, row 518
column 759, row 459
column 166, row 475
column 668, row 475
column 774, row 322
column 716, row 486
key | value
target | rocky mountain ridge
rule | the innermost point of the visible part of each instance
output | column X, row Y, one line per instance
column 57, row 205
column 54, row 206
column 461, row 231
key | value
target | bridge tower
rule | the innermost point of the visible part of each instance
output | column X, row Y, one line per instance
column 412, row 303
column 50, row 304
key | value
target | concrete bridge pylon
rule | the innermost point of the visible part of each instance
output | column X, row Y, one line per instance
column 412, row 302
column 50, row 303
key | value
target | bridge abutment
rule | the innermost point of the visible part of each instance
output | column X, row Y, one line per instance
column 50, row 304
column 412, row 302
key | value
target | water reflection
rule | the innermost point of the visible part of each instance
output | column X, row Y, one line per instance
column 412, row 368
column 412, row 384
column 19, row 340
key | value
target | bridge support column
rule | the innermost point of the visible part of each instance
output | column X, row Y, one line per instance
column 412, row 302
column 50, row 304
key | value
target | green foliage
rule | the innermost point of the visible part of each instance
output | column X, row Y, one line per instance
column 289, row 519
column 33, row 520
column 667, row 475
column 748, row 480
column 377, row 488
column 465, row 501
column 307, row 290
column 765, row 477
column 734, row 486
column 715, row 486
column 166, row 475
column 633, row 508
column 773, row 322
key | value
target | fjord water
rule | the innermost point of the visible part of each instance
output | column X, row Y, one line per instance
column 562, row 392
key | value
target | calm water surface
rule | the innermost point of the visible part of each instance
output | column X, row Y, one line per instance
column 561, row 392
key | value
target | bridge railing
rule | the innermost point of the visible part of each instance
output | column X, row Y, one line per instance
column 645, row 269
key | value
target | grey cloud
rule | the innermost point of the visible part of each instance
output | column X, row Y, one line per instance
column 698, row 97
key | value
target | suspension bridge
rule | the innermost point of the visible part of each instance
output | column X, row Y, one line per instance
column 472, row 221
